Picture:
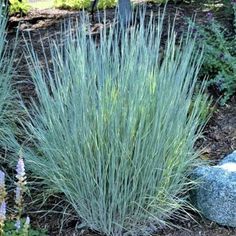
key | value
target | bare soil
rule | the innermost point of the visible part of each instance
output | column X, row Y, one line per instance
column 219, row 136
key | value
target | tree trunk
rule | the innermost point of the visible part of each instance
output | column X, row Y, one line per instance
column 124, row 12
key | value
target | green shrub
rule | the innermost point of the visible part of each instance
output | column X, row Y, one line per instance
column 72, row 4
column 83, row 4
column 19, row 7
column 86, row 4
column 111, row 128
column 220, row 54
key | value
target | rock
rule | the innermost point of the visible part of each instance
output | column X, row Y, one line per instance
column 215, row 196
column 230, row 158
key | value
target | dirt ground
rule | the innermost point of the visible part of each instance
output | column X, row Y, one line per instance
column 219, row 136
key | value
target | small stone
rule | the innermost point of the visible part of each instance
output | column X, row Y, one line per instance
column 215, row 196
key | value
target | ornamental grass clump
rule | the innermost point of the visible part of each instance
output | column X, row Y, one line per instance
column 111, row 128
column 7, row 92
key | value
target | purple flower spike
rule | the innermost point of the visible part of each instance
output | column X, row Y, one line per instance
column 20, row 168
column 233, row 1
column 18, row 224
column 209, row 16
column 2, row 179
column 18, row 194
column 3, row 210
column 27, row 221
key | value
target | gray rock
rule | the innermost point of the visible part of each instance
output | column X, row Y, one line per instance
column 230, row 158
column 215, row 196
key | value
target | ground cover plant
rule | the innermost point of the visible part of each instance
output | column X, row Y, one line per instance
column 17, row 6
column 111, row 128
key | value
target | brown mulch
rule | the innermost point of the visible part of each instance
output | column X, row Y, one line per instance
column 219, row 135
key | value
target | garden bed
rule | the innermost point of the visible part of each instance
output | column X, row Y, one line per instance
column 219, row 136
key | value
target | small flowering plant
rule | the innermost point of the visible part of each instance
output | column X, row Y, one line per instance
column 20, row 189
column 19, row 226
